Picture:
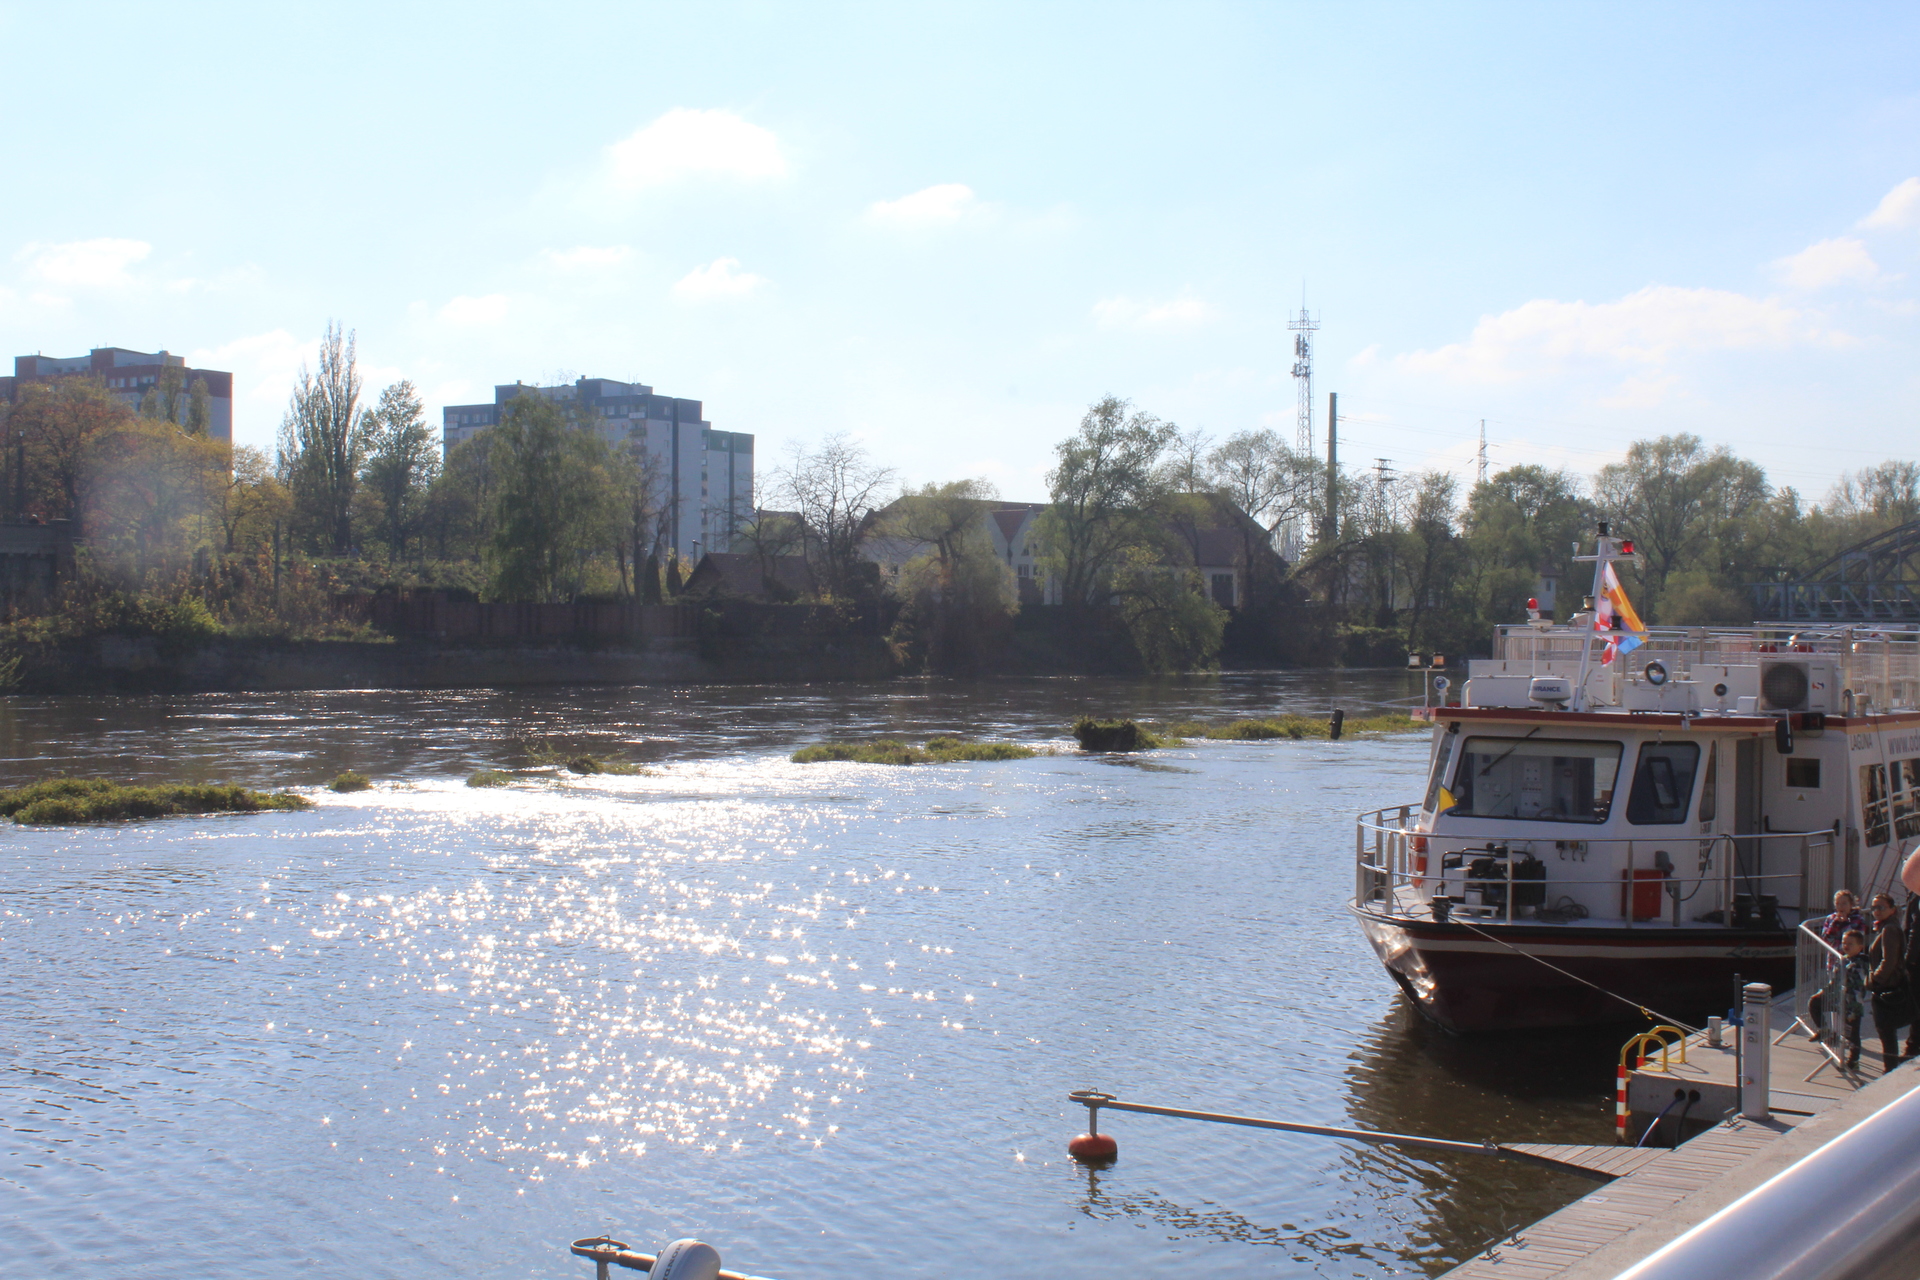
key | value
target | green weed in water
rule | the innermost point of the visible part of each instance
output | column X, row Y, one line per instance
column 350, row 781
column 61, row 801
column 490, row 778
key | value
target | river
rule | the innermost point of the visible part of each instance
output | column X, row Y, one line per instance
column 824, row 1016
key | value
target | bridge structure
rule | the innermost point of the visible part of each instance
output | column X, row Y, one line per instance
column 1874, row 580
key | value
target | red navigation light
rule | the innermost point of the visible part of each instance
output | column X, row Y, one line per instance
column 1532, row 603
column 1626, row 548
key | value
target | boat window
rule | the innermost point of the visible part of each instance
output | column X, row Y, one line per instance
column 1906, row 799
column 1539, row 779
column 1442, row 757
column 1873, row 794
column 1803, row 771
column 1663, row 783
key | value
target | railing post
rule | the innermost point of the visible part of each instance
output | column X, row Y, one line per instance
column 1756, row 1037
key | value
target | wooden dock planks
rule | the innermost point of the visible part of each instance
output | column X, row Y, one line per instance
column 1650, row 1183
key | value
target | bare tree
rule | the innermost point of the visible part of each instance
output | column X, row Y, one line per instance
column 323, row 440
column 834, row 489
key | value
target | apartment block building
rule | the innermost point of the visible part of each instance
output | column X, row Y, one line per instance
column 129, row 375
column 706, row 476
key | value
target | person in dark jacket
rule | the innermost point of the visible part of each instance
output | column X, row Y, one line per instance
column 1887, row 978
column 1911, row 927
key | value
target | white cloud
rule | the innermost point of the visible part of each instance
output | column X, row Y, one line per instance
column 1897, row 210
column 1126, row 313
column 940, row 205
column 1828, row 262
column 488, row 309
column 721, row 278
column 1641, row 331
column 86, row 264
column 686, row 141
column 587, row 257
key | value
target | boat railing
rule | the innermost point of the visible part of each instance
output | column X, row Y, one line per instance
column 1881, row 665
column 1390, row 857
column 1818, row 996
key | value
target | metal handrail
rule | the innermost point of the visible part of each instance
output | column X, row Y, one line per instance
column 1815, row 965
column 1384, row 863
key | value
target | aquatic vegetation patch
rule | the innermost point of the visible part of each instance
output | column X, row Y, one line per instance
column 584, row 764
column 1115, row 735
column 1293, row 726
column 939, row 750
column 59, row 801
column 350, row 781
column 489, row 778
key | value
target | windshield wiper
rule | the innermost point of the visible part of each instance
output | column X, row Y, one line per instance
column 1509, row 751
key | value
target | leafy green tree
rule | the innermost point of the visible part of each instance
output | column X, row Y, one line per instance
column 1106, row 485
column 199, row 408
column 1519, row 525
column 401, row 465
column 555, row 504
column 323, row 441
column 1174, row 627
column 958, row 592
column 1672, row 495
column 166, row 398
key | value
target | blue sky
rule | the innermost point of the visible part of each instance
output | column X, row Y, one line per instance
column 948, row 228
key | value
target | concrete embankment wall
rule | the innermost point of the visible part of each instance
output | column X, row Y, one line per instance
column 117, row 664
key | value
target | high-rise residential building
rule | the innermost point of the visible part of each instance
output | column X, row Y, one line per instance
column 129, row 375
column 705, row 476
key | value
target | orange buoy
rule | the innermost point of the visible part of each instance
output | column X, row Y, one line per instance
column 1093, row 1148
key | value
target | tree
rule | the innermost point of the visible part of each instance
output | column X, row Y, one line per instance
column 1670, row 496
column 165, row 399
column 1166, row 613
column 1522, row 522
column 402, row 463
column 199, row 409
column 246, row 500
column 1259, row 473
column 957, row 590
column 1106, row 483
column 455, row 515
column 323, row 440
column 60, row 424
column 554, row 503
column 1430, row 521
column 834, row 489
column 646, row 503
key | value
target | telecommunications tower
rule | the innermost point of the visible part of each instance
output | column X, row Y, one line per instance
column 1304, row 326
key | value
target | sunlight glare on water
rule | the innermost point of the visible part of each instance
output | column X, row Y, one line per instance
column 825, row 1016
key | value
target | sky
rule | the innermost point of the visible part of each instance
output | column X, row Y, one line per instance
column 947, row 229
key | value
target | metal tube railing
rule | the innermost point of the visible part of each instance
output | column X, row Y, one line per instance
column 1383, row 868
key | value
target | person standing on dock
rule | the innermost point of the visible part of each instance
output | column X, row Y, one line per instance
column 1846, row 915
column 1851, row 979
column 1887, row 978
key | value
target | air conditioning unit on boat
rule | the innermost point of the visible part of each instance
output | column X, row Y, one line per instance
column 1796, row 686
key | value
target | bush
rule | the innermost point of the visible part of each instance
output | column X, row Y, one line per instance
column 350, row 781
column 71, row 800
column 1113, row 735
column 584, row 765
column 490, row 778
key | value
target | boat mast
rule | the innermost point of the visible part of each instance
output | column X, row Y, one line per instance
column 1606, row 550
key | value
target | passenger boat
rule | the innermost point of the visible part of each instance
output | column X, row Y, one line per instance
column 1620, row 819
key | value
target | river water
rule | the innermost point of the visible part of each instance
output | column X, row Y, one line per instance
column 824, row 1016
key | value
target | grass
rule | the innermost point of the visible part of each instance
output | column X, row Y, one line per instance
column 490, row 778
column 1115, row 735
column 350, row 781
column 1292, row 726
column 941, row 750
column 59, row 801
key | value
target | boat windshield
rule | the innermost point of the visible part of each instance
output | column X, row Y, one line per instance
column 1538, row 779
column 1663, row 783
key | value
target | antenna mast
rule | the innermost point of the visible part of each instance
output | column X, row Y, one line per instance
column 1304, row 326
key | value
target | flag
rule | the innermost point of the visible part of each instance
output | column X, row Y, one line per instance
column 1613, row 615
